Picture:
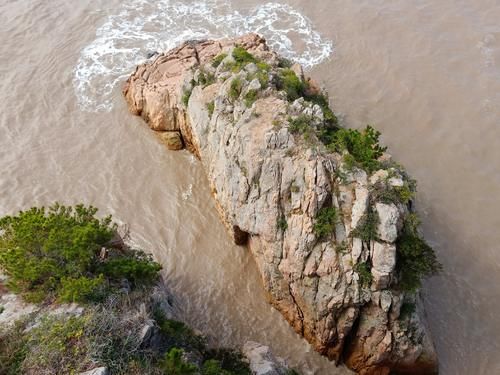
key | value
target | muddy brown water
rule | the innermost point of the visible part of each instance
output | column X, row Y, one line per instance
column 426, row 73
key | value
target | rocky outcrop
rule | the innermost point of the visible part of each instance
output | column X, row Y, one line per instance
column 262, row 361
column 300, row 208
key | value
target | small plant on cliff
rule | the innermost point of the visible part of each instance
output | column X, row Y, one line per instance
column 363, row 146
column 282, row 224
column 363, row 269
column 367, row 226
column 185, row 97
column 175, row 365
column 218, row 59
column 251, row 97
column 243, row 57
column 211, row 108
column 301, row 125
column 235, row 88
column 205, row 78
column 416, row 259
column 325, row 222
column 293, row 86
column 56, row 252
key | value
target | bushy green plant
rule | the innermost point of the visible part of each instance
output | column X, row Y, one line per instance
column 173, row 363
column 235, row 88
column 325, row 222
column 218, row 59
column 322, row 101
column 363, row 146
column 136, row 266
column 211, row 108
column 205, row 78
column 367, row 226
column 282, row 224
column 57, row 343
column 55, row 252
column 250, row 97
column 213, row 367
column 229, row 360
column 293, row 86
column 363, row 269
column 185, row 97
column 300, row 125
column 243, row 57
column 13, row 349
column 415, row 258
column 82, row 289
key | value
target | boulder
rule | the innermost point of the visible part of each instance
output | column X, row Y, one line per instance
column 270, row 182
column 262, row 361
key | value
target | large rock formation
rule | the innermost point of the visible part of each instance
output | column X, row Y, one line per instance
column 304, row 212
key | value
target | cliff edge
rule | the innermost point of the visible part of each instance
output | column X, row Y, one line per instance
column 324, row 210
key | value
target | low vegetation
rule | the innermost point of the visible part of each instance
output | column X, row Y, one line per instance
column 363, row 270
column 362, row 146
column 325, row 222
column 367, row 226
column 235, row 88
column 65, row 253
column 415, row 258
column 211, row 108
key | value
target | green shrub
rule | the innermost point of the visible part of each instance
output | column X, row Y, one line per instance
column 218, row 59
column 177, row 333
column 362, row 146
column 213, row 367
column 406, row 311
column 243, row 57
column 282, row 224
column 173, row 364
column 211, row 108
column 325, row 222
column 322, row 101
column 205, row 78
column 251, row 97
column 13, row 349
column 82, row 289
column 185, row 97
column 136, row 266
column 229, row 360
column 235, row 88
column 293, row 86
column 416, row 259
column 367, row 226
column 300, row 125
column 55, row 252
column 57, row 345
column 363, row 269
column 284, row 63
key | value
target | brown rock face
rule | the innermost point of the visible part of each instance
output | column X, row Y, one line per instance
column 296, row 205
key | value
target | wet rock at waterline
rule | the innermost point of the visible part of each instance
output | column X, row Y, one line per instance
column 323, row 228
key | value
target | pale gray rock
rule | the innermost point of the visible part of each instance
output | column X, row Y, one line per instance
column 262, row 361
column 389, row 220
column 96, row 371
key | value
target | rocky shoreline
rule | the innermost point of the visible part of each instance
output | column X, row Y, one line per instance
column 326, row 213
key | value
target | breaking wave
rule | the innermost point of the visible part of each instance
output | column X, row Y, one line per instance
column 141, row 27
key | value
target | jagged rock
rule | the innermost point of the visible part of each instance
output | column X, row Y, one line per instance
column 96, row 371
column 262, row 361
column 270, row 185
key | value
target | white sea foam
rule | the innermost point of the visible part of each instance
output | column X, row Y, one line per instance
column 143, row 26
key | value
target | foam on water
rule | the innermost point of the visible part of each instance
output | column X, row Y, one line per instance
column 144, row 26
